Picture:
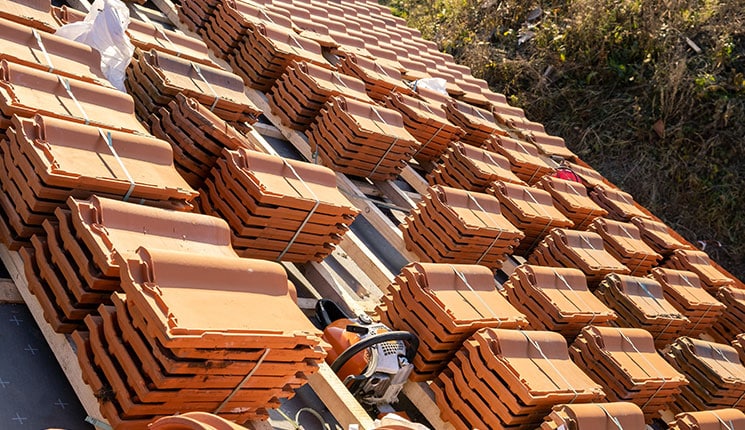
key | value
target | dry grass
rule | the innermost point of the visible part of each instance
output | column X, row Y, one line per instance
column 602, row 73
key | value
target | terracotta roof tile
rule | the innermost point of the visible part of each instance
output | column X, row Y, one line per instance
column 32, row 13
column 624, row 242
column 595, row 416
column 708, row 420
column 471, row 168
column 731, row 322
column 657, row 235
column 572, row 200
column 699, row 263
column 524, row 158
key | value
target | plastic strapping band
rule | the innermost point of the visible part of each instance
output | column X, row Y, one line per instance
column 587, row 241
column 395, row 140
column 201, row 76
column 165, row 36
column 307, row 217
column 243, row 382
column 611, row 417
column 43, row 49
column 429, row 140
column 66, row 84
column 109, row 142
column 540, row 351
column 727, row 426
column 542, row 210
column 706, row 312
column 462, row 277
column 494, row 242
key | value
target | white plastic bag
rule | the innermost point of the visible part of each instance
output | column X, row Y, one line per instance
column 104, row 30
column 435, row 84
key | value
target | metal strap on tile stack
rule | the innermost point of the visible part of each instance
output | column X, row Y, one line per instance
column 277, row 208
column 361, row 139
column 595, row 416
column 639, row 302
column 732, row 321
column 444, row 304
column 556, row 299
column 469, row 168
column 717, row 376
column 724, row 419
column 510, row 379
column 427, row 121
column 572, row 200
column 699, row 263
column 623, row 241
column 155, row 78
column 529, row 209
column 624, row 361
column 525, row 161
column 70, row 266
column 579, row 249
column 300, row 93
column 684, row 291
column 461, row 227
column 197, row 137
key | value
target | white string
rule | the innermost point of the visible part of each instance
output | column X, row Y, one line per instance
column 660, row 374
column 109, row 142
column 243, row 382
column 66, row 84
column 430, row 139
column 730, row 426
column 201, row 76
column 395, row 140
column 165, row 36
column 577, row 294
column 494, row 221
column 43, row 49
column 307, row 217
column 706, row 312
column 611, row 417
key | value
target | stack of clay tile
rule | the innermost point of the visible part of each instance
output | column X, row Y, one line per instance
column 640, row 302
column 193, row 421
column 478, row 123
column 427, row 122
column 579, row 249
column 625, row 362
column 739, row 344
column 380, row 79
column 361, row 139
column 195, row 13
column 444, row 304
column 556, row 299
column 589, row 176
column 457, row 226
column 684, row 291
column 524, row 159
column 471, row 168
column 278, row 209
column 504, row 379
column 197, row 137
column 45, row 160
column 268, row 49
column 595, row 416
column 71, row 269
column 717, row 419
column 299, row 95
column 155, row 78
column 624, row 242
column 572, row 200
column 68, row 58
column 35, row 14
column 546, row 143
column 26, row 91
column 197, row 332
column 699, row 263
column 620, row 205
column 732, row 321
column 717, row 376
column 657, row 236
column 529, row 209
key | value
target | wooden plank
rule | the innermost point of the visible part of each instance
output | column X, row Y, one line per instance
column 8, row 292
column 340, row 402
column 415, row 180
column 58, row 343
column 329, row 285
column 367, row 261
column 422, row 397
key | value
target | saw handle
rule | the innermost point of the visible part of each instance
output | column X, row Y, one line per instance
column 350, row 352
